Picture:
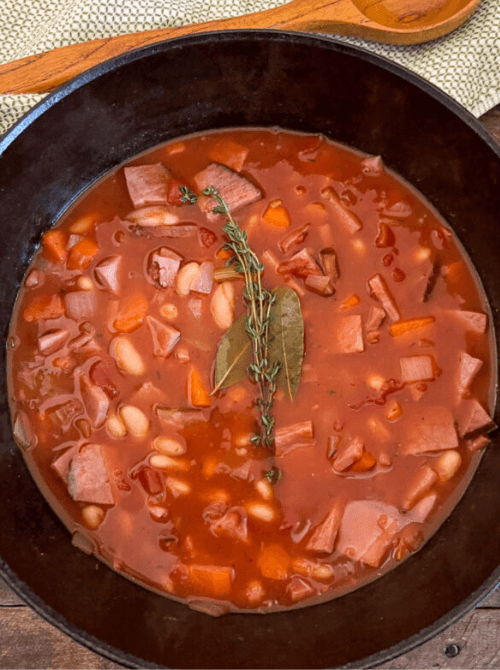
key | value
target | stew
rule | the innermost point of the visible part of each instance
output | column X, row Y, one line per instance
column 234, row 462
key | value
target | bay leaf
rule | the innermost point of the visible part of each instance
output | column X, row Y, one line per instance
column 233, row 356
column 287, row 339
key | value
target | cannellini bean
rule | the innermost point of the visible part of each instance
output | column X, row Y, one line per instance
column 422, row 254
column 323, row 572
column 135, row 420
column 302, row 566
column 447, row 465
column 115, row 426
column 375, row 381
column 85, row 283
column 83, row 225
column 164, row 462
column 93, row 516
column 261, row 511
column 169, row 311
column 359, row 246
column 169, row 446
column 243, row 440
column 127, row 356
column 265, row 489
column 186, row 277
column 177, row 486
column 222, row 305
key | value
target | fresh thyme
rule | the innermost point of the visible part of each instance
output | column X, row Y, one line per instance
column 259, row 302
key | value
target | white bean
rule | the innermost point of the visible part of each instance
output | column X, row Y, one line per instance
column 222, row 305
column 85, row 283
column 127, row 356
column 92, row 516
column 169, row 311
column 265, row 489
column 186, row 277
column 177, row 486
column 135, row 420
column 261, row 511
column 169, row 446
column 447, row 465
column 164, row 462
column 115, row 426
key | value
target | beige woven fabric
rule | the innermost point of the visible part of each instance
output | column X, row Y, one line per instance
column 465, row 64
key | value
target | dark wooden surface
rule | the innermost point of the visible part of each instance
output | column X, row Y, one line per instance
column 26, row 641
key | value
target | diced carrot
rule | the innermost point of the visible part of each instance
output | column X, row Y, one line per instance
column 211, row 579
column 196, row 392
column 365, row 463
column 80, row 256
column 209, row 466
column 132, row 313
column 229, row 153
column 403, row 327
column 223, row 254
column 174, row 195
column 394, row 412
column 274, row 562
column 54, row 243
column 277, row 214
column 44, row 307
column 352, row 301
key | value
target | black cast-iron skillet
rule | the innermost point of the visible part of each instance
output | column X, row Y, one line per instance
column 254, row 78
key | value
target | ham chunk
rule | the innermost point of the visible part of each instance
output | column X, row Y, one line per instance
column 417, row 369
column 80, row 305
column 430, row 429
column 294, row 238
column 375, row 319
column 423, row 480
column 349, row 452
column 379, row 290
column 95, row 400
column 323, row 539
column 106, row 273
column 147, row 184
column 88, row 479
column 298, row 589
column 237, row 191
column 164, row 336
column 467, row 370
column 301, row 264
column 290, row 437
column 347, row 335
column 473, row 321
column 320, row 284
column 472, row 418
column 232, row 524
column 347, row 219
column 62, row 463
column 51, row 341
column 204, row 282
column 163, row 266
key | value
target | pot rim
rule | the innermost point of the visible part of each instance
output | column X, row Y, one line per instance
column 45, row 611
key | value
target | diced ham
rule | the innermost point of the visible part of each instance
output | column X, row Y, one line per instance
column 329, row 263
column 400, row 210
column 347, row 335
column 163, row 266
column 417, row 368
column 164, row 336
column 106, row 273
column 349, row 452
column 422, row 482
column 147, row 184
column 294, row 238
column 180, row 417
column 80, row 305
column 62, row 463
column 195, row 307
column 298, row 589
column 35, row 278
column 151, row 480
column 148, row 394
column 477, row 442
column 85, row 339
column 95, row 400
column 24, row 434
column 320, row 284
column 341, row 214
column 367, row 530
column 375, row 319
column 52, row 340
column 424, row 507
column 63, row 414
column 323, row 539
column 293, row 436
column 236, row 190
column 301, row 264
column 183, row 230
column 430, row 429
column 472, row 417
column 205, row 279
column 467, row 370
column 372, row 166
column 473, row 321
column 232, row 524
column 378, row 288
column 88, row 479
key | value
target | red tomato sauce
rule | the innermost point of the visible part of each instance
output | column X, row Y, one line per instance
column 112, row 356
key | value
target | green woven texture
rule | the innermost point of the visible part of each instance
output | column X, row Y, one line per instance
column 465, row 64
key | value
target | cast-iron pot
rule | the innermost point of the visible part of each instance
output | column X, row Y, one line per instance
column 248, row 78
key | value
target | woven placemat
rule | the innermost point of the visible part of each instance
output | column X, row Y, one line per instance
column 465, row 64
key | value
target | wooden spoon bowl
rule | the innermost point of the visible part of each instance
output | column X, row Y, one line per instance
column 389, row 21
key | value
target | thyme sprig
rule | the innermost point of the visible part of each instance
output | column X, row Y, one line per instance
column 259, row 302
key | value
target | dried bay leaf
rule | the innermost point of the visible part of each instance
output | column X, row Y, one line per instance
column 287, row 339
column 233, row 356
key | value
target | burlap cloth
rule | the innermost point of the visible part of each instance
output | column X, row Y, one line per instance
column 465, row 64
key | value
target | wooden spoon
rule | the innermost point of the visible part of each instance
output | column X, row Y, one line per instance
column 390, row 21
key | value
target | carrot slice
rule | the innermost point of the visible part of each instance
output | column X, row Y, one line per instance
column 350, row 302
column 211, row 579
column 196, row 392
column 365, row 463
column 54, row 243
column 132, row 313
column 274, row 562
column 81, row 255
column 44, row 307
column 277, row 214
column 403, row 327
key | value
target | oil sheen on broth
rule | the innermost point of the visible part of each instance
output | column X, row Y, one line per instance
column 112, row 353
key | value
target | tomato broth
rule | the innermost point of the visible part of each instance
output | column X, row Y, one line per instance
column 385, row 385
